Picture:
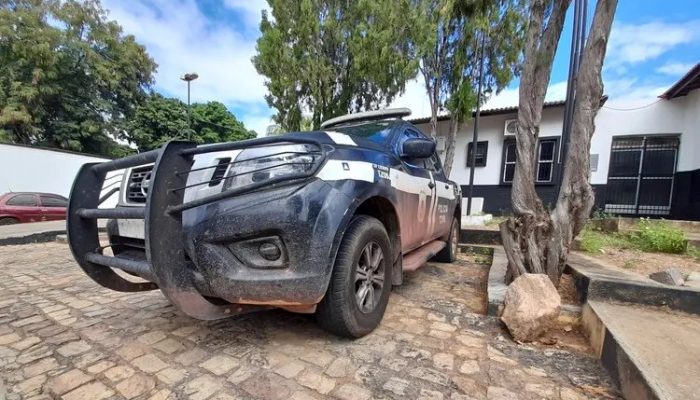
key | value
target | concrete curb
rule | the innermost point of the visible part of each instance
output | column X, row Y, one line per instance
column 595, row 282
column 614, row 355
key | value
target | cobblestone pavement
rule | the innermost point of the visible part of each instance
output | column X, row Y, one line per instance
column 63, row 336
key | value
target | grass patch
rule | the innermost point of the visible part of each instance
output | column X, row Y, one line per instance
column 593, row 241
column 652, row 236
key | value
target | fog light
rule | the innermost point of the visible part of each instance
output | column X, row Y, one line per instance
column 270, row 251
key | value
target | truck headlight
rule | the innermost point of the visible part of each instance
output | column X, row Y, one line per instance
column 258, row 164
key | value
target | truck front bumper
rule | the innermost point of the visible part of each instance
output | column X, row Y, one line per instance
column 269, row 245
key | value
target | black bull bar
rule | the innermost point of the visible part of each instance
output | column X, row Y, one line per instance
column 165, row 264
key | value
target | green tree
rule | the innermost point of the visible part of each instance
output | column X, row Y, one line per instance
column 331, row 57
column 69, row 78
column 160, row 119
column 447, row 37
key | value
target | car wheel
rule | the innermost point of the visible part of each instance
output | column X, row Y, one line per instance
column 8, row 221
column 361, row 281
column 449, row 253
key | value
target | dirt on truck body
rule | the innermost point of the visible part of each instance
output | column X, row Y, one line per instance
column 322, row 222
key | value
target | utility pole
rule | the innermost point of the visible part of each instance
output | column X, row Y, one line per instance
column 475, row 136
column 189, row 78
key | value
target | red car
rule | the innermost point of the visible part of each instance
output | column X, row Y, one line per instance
column 20, row 207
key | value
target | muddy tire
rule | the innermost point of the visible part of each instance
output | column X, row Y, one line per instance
column 8, row 221
column 449, row 253
column 360, row 284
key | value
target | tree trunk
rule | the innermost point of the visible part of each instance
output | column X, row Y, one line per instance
column 576, row 197
column 450, row 146
column 536, row 241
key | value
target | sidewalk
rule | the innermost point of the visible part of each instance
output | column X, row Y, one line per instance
column 34, row 232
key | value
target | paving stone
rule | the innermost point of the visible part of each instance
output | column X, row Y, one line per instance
column 499, row 393
column 32, row 385
column 135, row 386
column 171, row 376
column 149, row 363
column 397, row 386
column 131, row 351
column 469, row 367
column 352, row 392
column 444, row 361
column 427, row 394
column 241, row 374
column 191, row 357
column 9, row 338
column 266, row 386
column 220, row 365
column 25, row 343
column 340, row 368
column 39, row 367
column 169, row 346
column 67, row 381
column 163, row 394
column 151, row 337
column 316, row 382
column 118, row 373
column 73, row 348
column 290, row 369
column 100, row 366
column 90, row 391
column 201, row 388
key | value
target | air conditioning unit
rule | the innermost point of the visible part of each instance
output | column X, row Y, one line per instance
column 440, row 144
column 511, row 127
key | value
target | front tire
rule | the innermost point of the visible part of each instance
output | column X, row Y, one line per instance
column 361, row 281
column 449, row 253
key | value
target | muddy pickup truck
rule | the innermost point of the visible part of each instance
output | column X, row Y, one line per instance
column 318, row 222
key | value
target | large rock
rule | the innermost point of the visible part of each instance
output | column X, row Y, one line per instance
column 532, row 305
column 670, row 276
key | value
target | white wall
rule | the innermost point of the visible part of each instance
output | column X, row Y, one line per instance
column 680, row 116
column 490, row 128
column 26, row 169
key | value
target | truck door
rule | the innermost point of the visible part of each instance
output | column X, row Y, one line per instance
column 443, row 192
column 415, row 190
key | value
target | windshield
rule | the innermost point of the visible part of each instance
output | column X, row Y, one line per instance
column 376, row 131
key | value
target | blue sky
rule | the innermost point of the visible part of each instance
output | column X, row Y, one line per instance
column 652, row 44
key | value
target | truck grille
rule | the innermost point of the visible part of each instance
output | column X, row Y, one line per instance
column 137, row 187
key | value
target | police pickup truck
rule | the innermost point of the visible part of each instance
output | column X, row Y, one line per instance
column 318, row 222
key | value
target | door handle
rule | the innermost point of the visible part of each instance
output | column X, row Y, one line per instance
column 431, row 185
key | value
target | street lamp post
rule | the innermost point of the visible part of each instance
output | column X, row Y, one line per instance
column 189, row 78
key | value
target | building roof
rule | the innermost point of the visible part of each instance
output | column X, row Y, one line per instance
column 490, row 111
column 690, row 81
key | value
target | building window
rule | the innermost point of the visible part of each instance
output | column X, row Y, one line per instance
column 481, row 151
column 545, row 160
column 508, row 162
column 545, row 169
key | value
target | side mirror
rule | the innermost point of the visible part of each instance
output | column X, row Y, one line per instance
column 417, row 148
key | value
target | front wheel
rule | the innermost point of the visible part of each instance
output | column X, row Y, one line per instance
column 449, row 253
column 361, row 281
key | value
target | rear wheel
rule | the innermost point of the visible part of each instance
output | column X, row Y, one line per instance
column 449, row 253
column 361, row 281
column 8, row 221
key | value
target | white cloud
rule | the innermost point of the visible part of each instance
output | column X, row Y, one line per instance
column 675, row 68
column 182, row 39
column 635, row 43
column 251, row 10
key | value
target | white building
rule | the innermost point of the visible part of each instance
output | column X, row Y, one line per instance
column 644, row 161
